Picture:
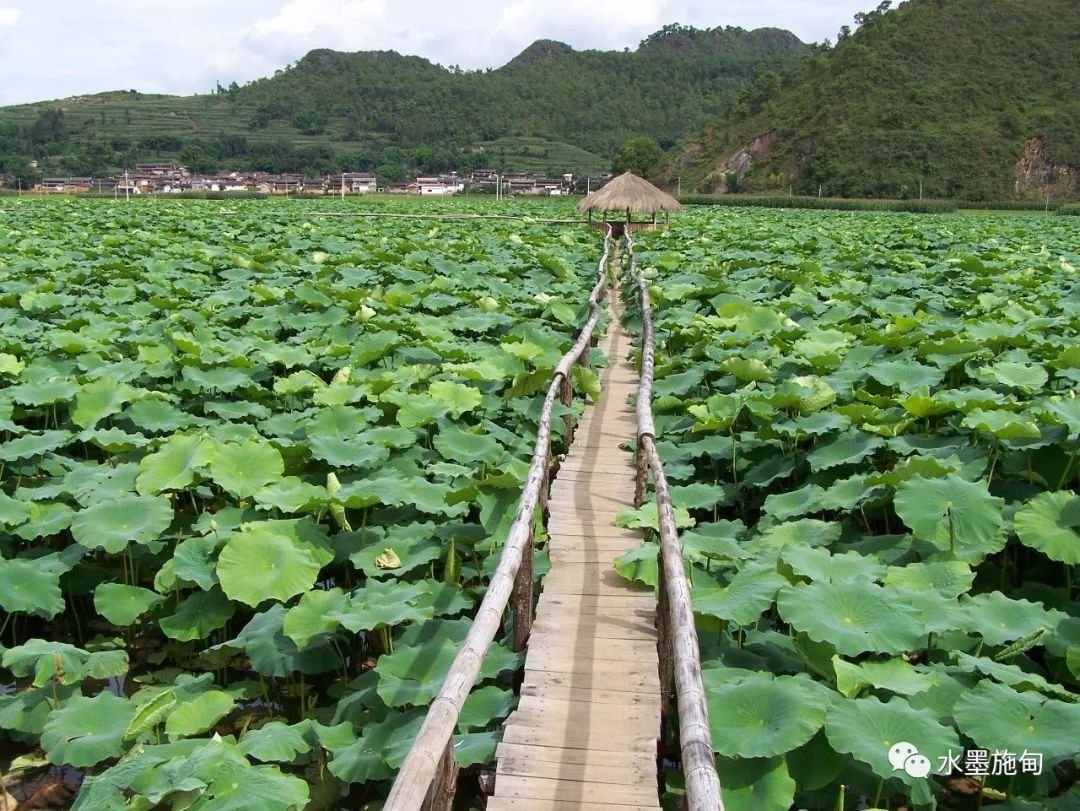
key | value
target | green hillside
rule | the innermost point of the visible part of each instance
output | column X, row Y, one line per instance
column 395, row 113
column 949, row 93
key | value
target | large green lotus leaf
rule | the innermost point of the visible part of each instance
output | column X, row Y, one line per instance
column 817, row 563
column 750, row 592
column 746, row 370
column 61, row 662
column 100, row 399
column 292, row 494
column 1049, row 523
column 457, row 397
column 806, row 499
column 274, row 654
column 46, row 518
column 262, row 562
column 27, row 586
column 1000, row 619
column 86, row 731
column 762, row 716
column 484, row 706
column 920, row 403
column 466, row 446
column 699, row 496
column 414, row 672
column 243, row 468
column 122, row 605
column 855, row 617
column 262, row 787
column 393, row 491
column 358, row 451
column 950, row 578
column 10, row 364
column 645, row 517
column 476, row 748
column 639, row 564
column 221, row 379
column 1009, row 675
column 1002, row 424
column 174, row 465
column 12, row 511
column 93, row 482
column 1063, row 411
column 992, row 713
column 276, row 742
column 313, row 615
column 760, row 784
column 867, row 729
column 339, row 421
column 894, row 675
column 30, row 445
column 411, row 545
column 28, row 709
column 199, row 615
column 193, row 560
column 366, row 759
column 805, row 531
column 906, row 375
column 112, row 525
column 817, row 424
column 1027, row 377
column 847, row 448
column 383, row 602
column 157, row 416
column 420, row 409
column 44, row 392
column 957, row 516
column 198, row 714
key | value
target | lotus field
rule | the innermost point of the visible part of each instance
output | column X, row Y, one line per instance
column 872, row 426
column 255, row 465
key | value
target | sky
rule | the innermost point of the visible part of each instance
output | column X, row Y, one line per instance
column 58, row 48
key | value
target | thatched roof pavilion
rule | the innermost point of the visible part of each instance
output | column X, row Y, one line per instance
column 630, row 194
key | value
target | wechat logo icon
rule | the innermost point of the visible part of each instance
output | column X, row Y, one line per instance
column 905, row 756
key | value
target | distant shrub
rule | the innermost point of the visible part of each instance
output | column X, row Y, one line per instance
column 1008, row 205
column 822, row 203
column 1070, row 210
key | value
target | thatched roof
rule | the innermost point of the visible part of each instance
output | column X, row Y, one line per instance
column 628, row 191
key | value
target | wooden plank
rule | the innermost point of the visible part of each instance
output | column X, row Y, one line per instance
column 539, row 804
column 599, row 627
column 582, row 757
column 586, row 793
column 575, row 710
column 574, row 738
column 564, row 646
column 543, row 687
column 578, row 772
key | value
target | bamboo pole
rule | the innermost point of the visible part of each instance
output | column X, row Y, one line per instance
column 421, row 766
column 677, row 622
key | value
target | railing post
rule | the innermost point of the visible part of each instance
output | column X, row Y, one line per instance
column 523, row 590
column 567, row 399
column 641, row 477
column 664, row 641
column 440, row 796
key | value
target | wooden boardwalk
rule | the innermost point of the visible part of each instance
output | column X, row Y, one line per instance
column 585, row 731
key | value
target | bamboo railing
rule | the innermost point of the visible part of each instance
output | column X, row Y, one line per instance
column 427, row 775
column 680, row 658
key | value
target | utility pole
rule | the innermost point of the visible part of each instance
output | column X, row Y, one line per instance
column 920, row 188
column 588, row 185
column 127, row 186
column 343, row 186
column 679, row 192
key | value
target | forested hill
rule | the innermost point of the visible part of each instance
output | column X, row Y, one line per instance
column 974, row 98
column 550, row 104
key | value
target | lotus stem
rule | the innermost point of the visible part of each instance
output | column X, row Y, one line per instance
column 877, row 794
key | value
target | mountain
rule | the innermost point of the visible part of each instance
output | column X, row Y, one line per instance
column 550, row 108
column 974, row 99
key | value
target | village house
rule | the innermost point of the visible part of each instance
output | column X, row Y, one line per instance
column 64, row 185
column 357, row 182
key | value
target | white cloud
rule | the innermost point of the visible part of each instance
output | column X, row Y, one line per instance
column 9, row 17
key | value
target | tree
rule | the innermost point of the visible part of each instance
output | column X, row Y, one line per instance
column 641, row 156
